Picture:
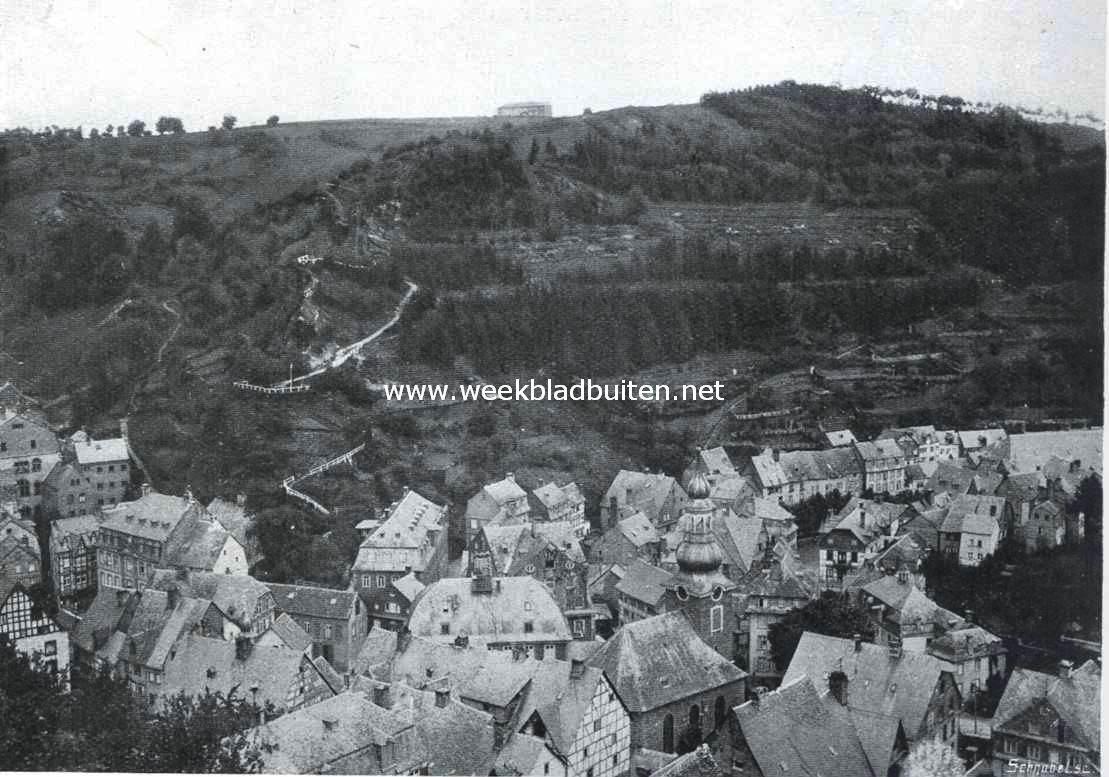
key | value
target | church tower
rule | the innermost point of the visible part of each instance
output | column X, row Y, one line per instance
column 699, row 588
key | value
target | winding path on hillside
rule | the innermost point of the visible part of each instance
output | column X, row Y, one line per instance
column 343, row 354
column 173, row 334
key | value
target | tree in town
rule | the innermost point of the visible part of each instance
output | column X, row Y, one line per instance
column 932, row 758
column 272, row 121
column 136, row 128
column 228, row 122
column 120, row 130
column 169, row 124
column 1088, row 501
column 831, row 614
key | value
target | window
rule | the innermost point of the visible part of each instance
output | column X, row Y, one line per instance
column 366, row 581
column 327, row 631
column 529, row 627
column 444, row 628
column 597, row 725
column 24, row 487
column 716, row 618
column 668, row 734
column 36, row 465
column 111, row 468
column 381, row 581
column 34, row 443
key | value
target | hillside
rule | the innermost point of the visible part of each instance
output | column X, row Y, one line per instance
column 743, row 239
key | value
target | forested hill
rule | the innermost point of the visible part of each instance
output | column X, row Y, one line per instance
column 160, row 268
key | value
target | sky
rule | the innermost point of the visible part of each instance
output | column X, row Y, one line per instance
column 97, row 62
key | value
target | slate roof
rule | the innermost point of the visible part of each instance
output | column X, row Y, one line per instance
column 142, row 618
column 505, row 490
column 520, row 754
column 310, row 738
column 792, row 730
column 553, row 496
column 972, row 438
column 152, row 516
column 560, row 698
column 926, row 527
column 101, row 451
column 731, row 489
column 898, row 687
column 840, row 438
column 773, row 580
column 1077, row 699
column 909, row 606
column 964, row 642
column 290, row 632
column 313, row 601
column 197, row 547
column 698, row 763
column 658, row 660
column 715, row 461
column 637, row 529
column 643, row 582
column 233, row 517
column 950, row 478
column 498, row 616
column 236, row 596
column 77, row 526
column 649, row 490
column 971, row 513
column 878, row 735
column 492, row 677
column 801, row 466
column 400, row 543
column 377, row 649
column 208, row 662
column 1030, row 451
column 878, row 450
column 18, row 438
column 409, row 586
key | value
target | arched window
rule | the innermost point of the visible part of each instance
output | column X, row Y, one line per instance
column 24, row 487
column 36, row 465
column 668, row 733
column 694, row 716
column 719, row 710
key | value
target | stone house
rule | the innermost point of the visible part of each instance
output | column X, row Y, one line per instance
column 499, row 502
column 73, row 553
column 883, row 463
column 337, row 621
column 28, row 451
column 794, row 476
column 660, row 497
column 551, row 502
column 675, row 686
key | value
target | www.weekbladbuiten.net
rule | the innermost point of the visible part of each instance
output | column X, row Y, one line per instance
column 533, row 390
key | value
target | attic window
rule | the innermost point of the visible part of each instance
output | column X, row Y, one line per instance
column 664, row 682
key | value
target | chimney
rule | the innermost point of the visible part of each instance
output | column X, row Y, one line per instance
column 862, row 516
column 510, row 477
column 756, row 700
column 497, row 585
column 577, row 668
column 970, row 615
column 240, row 500
column 837, row 686
column 442, row 696
column 173, row 596
column 145, row 489
column 777, row 454
column 613, row 512
column 1065, row 669
column 382, row 696
column 243, row 646
column 858, row 643
column 404, row 638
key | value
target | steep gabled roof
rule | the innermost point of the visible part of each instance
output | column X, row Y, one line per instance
column 236, row 596
column 637, row 529
column 658, row 660
column 1076, row 698
column 643, row 582
column 792, row 730
column 878, row 683
column 561, row 699
column 290, row 632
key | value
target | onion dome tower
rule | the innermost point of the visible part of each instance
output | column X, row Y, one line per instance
column 699, row 555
